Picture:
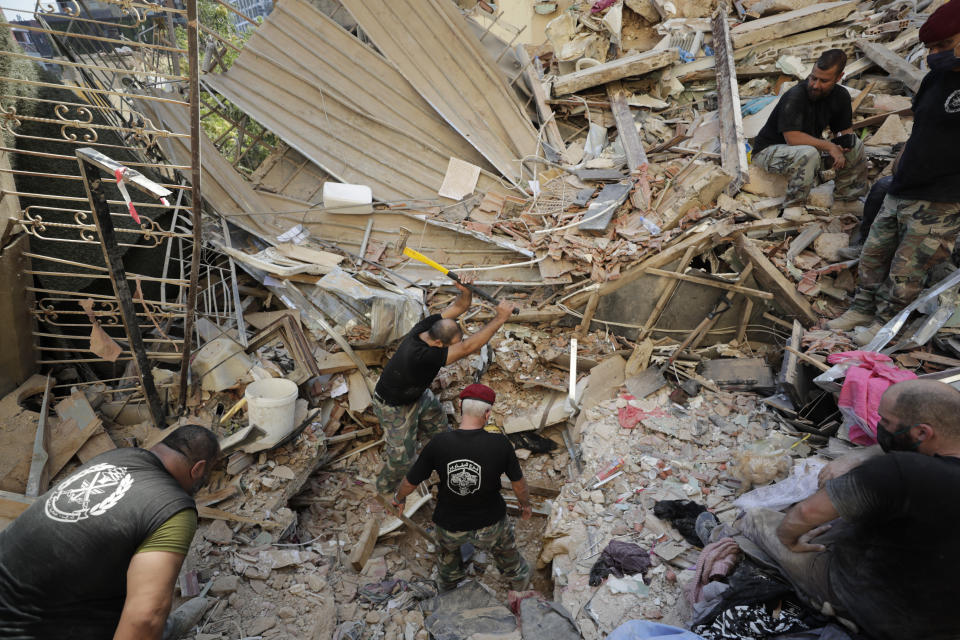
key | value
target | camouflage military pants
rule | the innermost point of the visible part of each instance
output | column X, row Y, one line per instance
column 400, row 427
column 498, row 539
column 907, row 239
column 800, row 164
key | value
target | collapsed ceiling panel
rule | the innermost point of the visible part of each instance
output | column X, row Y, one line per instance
column 433, row 47
column 281, row 80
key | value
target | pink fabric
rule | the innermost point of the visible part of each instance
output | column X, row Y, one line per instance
column 863, row 386
column 717, row 560
column 600, row 5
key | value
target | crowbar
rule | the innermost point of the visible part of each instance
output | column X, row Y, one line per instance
column 416, row 255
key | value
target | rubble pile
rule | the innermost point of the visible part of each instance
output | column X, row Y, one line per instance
column 671, row 343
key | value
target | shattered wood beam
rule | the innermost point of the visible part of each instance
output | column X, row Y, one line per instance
column 632, row 65
column 893, row 64
column 904, row 40
column 770, row 277
column 880, row 118
column 668, row 292
column 91, row 163
column 549, row 122
column 626, row 125
column 735, row 288
column 733, row 150
column 785, row 24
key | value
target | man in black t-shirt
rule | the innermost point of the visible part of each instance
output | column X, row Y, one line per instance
column 878, row 544
column 402, row 400
column 918, row 222
column 470, row 508
column 97, row 556
column 791, row 141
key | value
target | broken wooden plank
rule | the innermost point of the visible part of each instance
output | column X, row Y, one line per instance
column 211, row 513
column 726, row 286
column 363, row 547
column 39, row 474
column 880, row 118
column 771, row 278
column 13, row 504
column 906, row 39
column 893, row 64
column 358, row 393
column 548, row 122
column 789, row 23
column 626, row 126
column 534, row 489
column 99, row 442
column 668, row 292
column 77, row 423
column 17, row 432
column 340, row 361
column 733, row 150
column 631, row 65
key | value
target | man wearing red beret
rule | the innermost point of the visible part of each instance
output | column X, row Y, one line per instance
column 917, row 226
column 470, row 508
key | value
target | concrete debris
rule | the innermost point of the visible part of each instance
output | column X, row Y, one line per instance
column 632, row 222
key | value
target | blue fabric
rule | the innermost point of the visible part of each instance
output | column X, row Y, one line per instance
column 646, row 630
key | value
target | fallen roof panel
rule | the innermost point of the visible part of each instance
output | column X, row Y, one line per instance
column 273, row 81
column 433, row 47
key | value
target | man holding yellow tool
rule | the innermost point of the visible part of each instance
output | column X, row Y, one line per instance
column 403, row 401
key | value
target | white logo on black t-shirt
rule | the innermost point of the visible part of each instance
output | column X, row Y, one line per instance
column 952, row 105
column 463, row 476
column 92, row 492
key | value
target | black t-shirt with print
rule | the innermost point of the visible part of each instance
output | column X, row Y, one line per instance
column 469, row 463
column 63, row 562
column 896, row 569
column 797, row 112
column 412, row 368
column 930, row 166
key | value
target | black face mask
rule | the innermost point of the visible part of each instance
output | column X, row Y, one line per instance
column 942, row 61
column 896, row 440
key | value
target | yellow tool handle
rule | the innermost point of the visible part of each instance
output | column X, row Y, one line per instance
column 416, row 255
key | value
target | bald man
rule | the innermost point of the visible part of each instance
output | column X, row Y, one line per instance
column 877, row 544
column 97, row 556
column 403, row 401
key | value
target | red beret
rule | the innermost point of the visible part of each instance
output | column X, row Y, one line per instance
column 942, row 23
column 478, row 392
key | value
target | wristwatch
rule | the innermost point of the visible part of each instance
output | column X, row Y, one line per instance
column 396, row 500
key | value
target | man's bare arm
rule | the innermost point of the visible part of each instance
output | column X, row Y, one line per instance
column 846, row 463
column 462, row 302
column 523, row 497
column 803, row 522
column 475, row 341
column 150, row 579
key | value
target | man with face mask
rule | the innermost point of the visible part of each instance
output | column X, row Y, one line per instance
column 877, row 543
column 97, row 556
column 791, row 142
column 918, row 222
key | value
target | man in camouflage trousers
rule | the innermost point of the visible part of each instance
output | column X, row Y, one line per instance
column 470, row 509
column 402, row 400
column 918, row 223
column 791, row 142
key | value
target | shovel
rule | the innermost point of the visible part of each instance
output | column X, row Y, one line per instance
column 652, row 379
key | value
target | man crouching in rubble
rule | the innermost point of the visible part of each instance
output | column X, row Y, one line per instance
column 918, row 222
column 97, row 556
column 402, row 400
column 470, row 508
column 790, row 142
column 878, row 544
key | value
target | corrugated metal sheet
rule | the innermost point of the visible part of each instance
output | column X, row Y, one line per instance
column 344, row 107
column 434, row 49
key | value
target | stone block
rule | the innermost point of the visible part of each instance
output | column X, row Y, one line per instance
column 764, row 183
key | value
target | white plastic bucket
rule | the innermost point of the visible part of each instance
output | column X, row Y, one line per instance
column 271, row 405
column 347, row 198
